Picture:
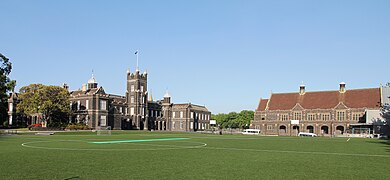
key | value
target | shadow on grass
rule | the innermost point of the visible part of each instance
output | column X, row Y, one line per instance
column 385, row 142
column 74, row 177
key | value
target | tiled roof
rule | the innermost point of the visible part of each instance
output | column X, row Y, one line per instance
column 262, row 104
column 358, row 98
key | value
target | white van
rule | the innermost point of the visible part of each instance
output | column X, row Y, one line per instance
column 251, row 131
column 307, row 134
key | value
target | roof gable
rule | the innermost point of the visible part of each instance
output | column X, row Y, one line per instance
column 298, row 107
column 341, row 106
column 262, row 105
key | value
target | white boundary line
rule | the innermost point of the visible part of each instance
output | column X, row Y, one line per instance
column 169, row 147
column 301, row 152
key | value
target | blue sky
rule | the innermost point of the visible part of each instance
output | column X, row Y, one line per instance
column 222, row 54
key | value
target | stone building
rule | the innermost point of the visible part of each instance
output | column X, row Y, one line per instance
column 92, row 106
column 323, row 112
column 136, row 110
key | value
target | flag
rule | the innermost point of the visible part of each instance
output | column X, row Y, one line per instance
column 136, row 52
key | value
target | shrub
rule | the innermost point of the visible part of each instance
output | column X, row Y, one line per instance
column 77, row 127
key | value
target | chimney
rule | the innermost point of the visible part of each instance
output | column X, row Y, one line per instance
column 302, row 89
column 342, row 87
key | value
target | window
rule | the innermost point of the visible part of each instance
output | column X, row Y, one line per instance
column 103, row 120
column 78, row 105
column 132, row 99
column 325, row 117
column 192, row 115
column 126, row 111
column 192, row 125
column 103, row 105
column 173, row 125
column 173, row 114
column 142, row 88
column 340, row 115
column 355, row 116
column 284, row 117
column 297, row 115
column 131, row 111
column 311, row 117
column 181, row 124
column 86, row 104
column 270, row 127
column 181, row 114
column 132, row 88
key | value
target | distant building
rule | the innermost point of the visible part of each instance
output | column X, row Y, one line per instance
column 322, row 112
column 136, row 110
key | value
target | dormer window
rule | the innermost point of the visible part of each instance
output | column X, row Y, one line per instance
column 297, row 115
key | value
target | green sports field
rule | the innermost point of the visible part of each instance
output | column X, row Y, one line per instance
column 152, row 155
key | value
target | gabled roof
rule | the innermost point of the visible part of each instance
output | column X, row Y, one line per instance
column 358, row 98
column 262, row 105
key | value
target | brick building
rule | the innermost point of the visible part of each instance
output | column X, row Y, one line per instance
column 323, row 112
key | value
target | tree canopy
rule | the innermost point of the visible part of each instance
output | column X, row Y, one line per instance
column 51, row 101
column 6, row 85
column 233, row 119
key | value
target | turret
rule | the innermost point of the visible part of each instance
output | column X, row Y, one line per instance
column 167, row 98
column 302, row 89
column 342, row 87
column 92, row 83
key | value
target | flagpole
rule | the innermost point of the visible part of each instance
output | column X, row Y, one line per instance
column 137, row 60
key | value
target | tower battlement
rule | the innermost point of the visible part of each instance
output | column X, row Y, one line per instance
column 137, row 75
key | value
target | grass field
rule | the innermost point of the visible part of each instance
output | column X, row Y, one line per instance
column 152, row 155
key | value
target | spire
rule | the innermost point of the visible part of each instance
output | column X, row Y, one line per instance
column 150, row 99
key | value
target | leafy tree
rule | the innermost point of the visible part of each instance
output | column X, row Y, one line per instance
column 233, row 119
column 51, row 101
column 5, row 85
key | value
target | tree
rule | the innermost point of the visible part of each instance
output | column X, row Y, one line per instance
column 233, row 119
column 51, row 101
column 5, row 85
column 245, row 117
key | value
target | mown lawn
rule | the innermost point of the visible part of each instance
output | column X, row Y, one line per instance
column 190, row 156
